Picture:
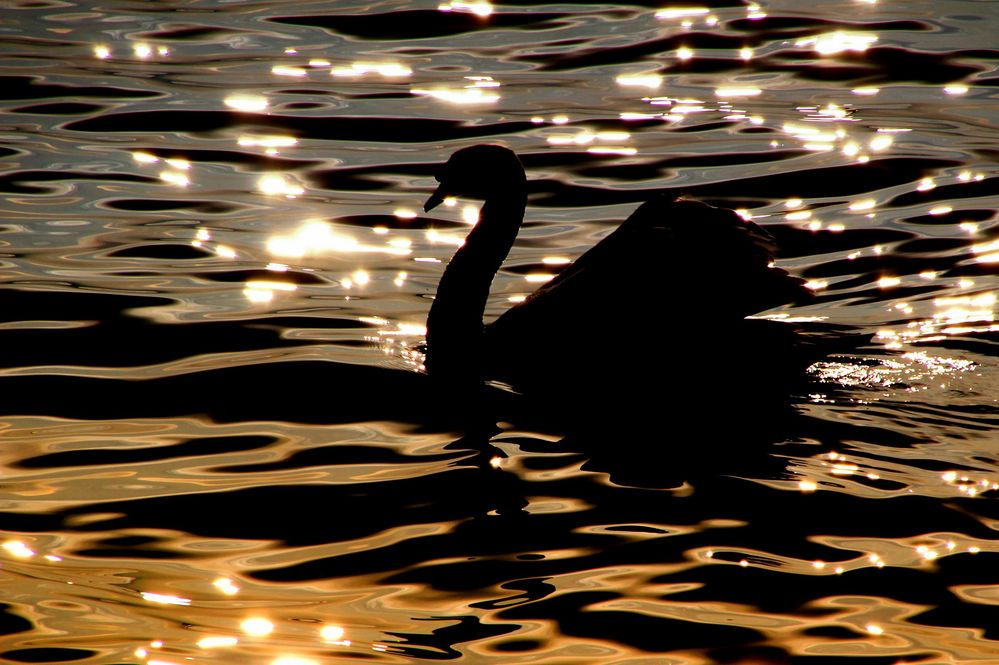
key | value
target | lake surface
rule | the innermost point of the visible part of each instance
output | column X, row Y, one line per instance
column 216, row 443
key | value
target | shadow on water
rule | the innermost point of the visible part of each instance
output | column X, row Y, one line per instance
column 502, row 547
column 651, row 435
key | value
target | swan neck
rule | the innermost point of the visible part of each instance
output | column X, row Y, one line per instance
column 454, row 324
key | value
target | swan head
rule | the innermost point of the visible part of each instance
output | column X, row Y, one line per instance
column 478, row 172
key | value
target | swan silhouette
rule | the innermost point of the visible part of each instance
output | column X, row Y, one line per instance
column 664, row 298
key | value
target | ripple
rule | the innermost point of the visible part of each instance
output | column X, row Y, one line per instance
column 218, row 446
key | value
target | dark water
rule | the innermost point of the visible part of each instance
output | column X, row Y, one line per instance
column 210, row 409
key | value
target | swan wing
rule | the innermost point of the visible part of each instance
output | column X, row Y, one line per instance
column 673, row 272
column 678, row 255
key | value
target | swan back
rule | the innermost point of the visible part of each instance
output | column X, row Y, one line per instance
column 676, row 274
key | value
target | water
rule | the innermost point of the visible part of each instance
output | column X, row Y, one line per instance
column 216, row 447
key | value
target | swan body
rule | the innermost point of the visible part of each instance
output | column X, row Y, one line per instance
column 665, row 296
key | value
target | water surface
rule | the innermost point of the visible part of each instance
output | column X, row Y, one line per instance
column 216, row 443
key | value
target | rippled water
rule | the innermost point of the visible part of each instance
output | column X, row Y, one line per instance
column 216, row 445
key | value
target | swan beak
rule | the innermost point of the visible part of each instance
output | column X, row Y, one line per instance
column 435, row 199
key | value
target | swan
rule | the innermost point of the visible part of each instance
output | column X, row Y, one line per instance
column 663, row 299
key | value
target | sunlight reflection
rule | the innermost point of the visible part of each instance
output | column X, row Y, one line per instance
column 262, row 291
column 681, row 12
column 738, row 91
column 226, row 586
column 246, row 103
column 316, row 237
column 294, row 660
column 987, row 252
column 386, row 69
column 217, row 642
column 164, row 599
column 586, row 137
column 102, row 52
column 640, row 80
column 331, row 633
column 965, row 309
column 470, row 214
column 970, row 486
column 477, row 7
column 613, row 136
column 175, row 178
column 475, row 92
column 889, row 281
column 257, row 626
column 269, row 143
column 852, row 149
column 839, row 41
column 411, row 329
column 288, row 70
column 18, row 549
column 631, row 116
column 275, row 184
column 953, row 315
column 880, row 142
column 580, row 138
column 824, row 140
column 360, row 277
column 435, row 237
